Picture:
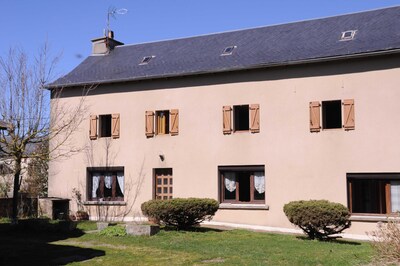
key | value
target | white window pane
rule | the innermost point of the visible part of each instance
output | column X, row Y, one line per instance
column 395, row 195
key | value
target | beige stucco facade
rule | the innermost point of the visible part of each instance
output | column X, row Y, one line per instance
column 298, row 164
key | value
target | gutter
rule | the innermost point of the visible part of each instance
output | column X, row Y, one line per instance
column 252, row 67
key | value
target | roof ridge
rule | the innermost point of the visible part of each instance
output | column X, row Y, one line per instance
column 255, row 28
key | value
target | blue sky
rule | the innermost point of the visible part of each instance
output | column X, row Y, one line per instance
column 69, row 25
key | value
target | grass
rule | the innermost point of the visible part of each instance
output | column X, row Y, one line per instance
column 200, row 247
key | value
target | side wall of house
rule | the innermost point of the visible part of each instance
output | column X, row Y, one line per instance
column 298, row 164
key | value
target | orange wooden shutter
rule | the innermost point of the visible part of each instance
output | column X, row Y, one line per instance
column 149, row 124
column 254, row 118
column 315, row 121
column 227, row 119
column 93, row 127
column 115, row 126
column 348, row 114
column 174, row 122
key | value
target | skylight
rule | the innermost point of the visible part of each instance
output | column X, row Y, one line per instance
column 228, row 50
column 348, row 35
column 146, row 60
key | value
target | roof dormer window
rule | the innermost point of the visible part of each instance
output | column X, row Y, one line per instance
column 348, row 35
column 146, row 60
column 228, row 50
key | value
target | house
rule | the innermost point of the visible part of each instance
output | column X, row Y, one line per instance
column 254, row 118
column 3, row 125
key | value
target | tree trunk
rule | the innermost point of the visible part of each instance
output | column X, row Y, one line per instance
column 15, row 192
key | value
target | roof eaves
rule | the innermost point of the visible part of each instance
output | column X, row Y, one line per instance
column 222, row 70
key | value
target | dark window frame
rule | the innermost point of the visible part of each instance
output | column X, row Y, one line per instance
column 332, row 114
column 371, row 200
column 103, row 192
column 241, row 118
column 105, row 126
column 242, row 170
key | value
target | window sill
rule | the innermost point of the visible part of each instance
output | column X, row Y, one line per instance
column 108, row 203
column 243, row 206
column 372, row 218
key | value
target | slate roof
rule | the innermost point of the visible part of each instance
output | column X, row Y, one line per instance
column 378, row 31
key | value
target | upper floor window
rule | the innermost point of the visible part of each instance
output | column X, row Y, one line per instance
column 106, row 183
column 162, row 122
column 104, row 126
column 331, row 114
column 244, row 118
column 335, row 114
column 242, row 184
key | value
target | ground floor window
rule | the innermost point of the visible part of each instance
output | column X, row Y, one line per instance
column 106, row 183
column 242, row 184
column 374, row 193
column 163, row 183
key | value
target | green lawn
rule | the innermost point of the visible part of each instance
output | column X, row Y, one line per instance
column 201, row 247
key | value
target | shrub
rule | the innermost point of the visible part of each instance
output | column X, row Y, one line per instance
column 116, row 230
column 318, row 218
column 386, row 242
column 182, row 213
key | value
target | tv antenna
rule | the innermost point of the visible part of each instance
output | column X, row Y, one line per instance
column 112, row 11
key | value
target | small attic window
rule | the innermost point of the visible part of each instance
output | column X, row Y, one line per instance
column 228, row 50
column 146, row 60
column 348, row 35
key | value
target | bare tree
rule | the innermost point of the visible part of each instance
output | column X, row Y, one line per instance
column 25, row 109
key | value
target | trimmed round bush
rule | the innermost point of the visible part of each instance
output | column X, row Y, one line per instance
column 182, row 213
column 318, row 218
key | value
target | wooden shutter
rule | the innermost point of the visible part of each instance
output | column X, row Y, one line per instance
column 115, row 126
column 174, row 122
column 93, row 127
column 254, row 118
column 149, row 124
column 348, row 114
column 227, row 119
column 315, row 121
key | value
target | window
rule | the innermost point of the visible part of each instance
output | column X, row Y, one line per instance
column 242, row 184
column 348, row 35
column 245, row 118
column 106, row 183
column 241, row 117
column 146, row 60
column 228, row 50
column 331, row 114
column 162, row 122
column 107, row 125
column 104, row 126
column 163, row 183
column 335, row 114
column 374, row 193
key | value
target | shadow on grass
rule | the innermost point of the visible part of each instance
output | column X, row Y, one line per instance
column 332, row 240
column 31, row 245
column 191, row 229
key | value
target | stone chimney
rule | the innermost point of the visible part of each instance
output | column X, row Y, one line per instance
column 103, row 45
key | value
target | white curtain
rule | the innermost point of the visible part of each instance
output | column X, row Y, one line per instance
column 259, row 182
column 95, row 184
column 108, row 181
column 395, row 195
column 230, row 181
column 120, row 180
